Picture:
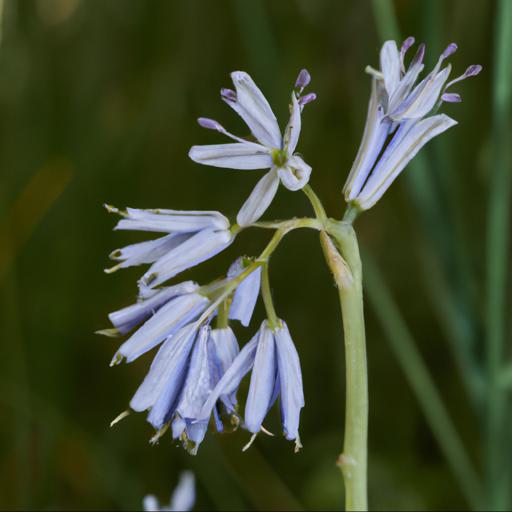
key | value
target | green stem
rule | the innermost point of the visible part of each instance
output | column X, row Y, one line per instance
column 498, row 230
column 267, row 298
column 315, row 203
column 347, row 271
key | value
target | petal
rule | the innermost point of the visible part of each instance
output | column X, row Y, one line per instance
column 201, row 247
column 290, row 378
column 406, row 143
column 198, row 384
column 375, row 132
column 423, row 98
column 245, row 297
column 230, row 381
column 126, row 319
column 292, row 132
column 166, row 375
column 164, row 323
column 150, row 504
column 237, row 155
column 170, row 221
column 184, row 496
column 390, row 65
column 259, row 200
column 263, row 380
column 254, row 109
column 223, row 351
column 296, row 173
column 148, row 252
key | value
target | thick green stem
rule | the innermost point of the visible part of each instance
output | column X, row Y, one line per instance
column 343, row 259
column 267, row 298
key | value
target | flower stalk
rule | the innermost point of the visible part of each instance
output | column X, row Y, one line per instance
column 343, row 259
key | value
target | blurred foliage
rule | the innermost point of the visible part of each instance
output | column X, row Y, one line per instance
column 98, row 101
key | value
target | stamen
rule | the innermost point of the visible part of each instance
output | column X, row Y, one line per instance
column 209, row 124
column 451, row 97
column 117, row 359
column 472, row 70
column 113, row 269
column 156, row 438
column 110, row 333
column 374, row 72
column 113, row 209
column 308, row 98
column 303, row 79
column 228, row 94
column 420, row 53
column 120, row 417
column 403, row 50
column 298, row 445
column 449, row 50
column 265, row 431
column 248, row 445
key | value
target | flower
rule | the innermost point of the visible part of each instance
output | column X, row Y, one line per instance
column 182, row 376
column 397, row 126
column 164, row 312
column 192, row 237
column 271, row 151
column 273, row 358
column 182, row 498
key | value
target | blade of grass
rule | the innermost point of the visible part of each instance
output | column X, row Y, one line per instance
column 422, row 383
column 497, row 258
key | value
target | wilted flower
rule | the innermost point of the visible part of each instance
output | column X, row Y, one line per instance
column 182, row 498
column 396, row 125
column 272, row 151
column 275, row 373
column 193, row 237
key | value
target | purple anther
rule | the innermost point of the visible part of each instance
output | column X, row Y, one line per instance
column 451, row 48
column 209, row 124
column 303, row 79
column 228, row 94
column 451, row 97
column 308, row 98
column 472, row 70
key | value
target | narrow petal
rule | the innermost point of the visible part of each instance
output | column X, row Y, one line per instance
column 263, row 380
column 254, row 109
column 126, row 319
column 198, row 384
column 375, row 132
column 290, row 378
column 148, row 252
column 230, row 381
column 171, row 221
column 408, row 142
column 236, row 155
column 390, row 65
column 292, row 131
column 223, row 351
column 296, row 173
column 259, row 200
column 184, row 496
column 201, row 247
column 166, row 375
column 164, row 323
column 245, row 297
column 423, row 98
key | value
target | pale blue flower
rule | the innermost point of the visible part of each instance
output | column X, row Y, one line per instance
column 272, row 151
column 396, row 125
column 182, row 376
column 165, row 311
column 192, row 237
column 182, row 499
column 276, row 372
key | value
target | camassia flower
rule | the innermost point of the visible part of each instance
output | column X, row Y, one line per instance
column 273, row 358
column 192, row 237
column 182, row 499
column 400, row 121
column 271, row 151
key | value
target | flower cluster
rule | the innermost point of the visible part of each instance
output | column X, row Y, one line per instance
column 399, row 121
column 198, row 367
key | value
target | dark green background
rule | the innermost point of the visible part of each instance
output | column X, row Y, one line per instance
column 98, row 102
